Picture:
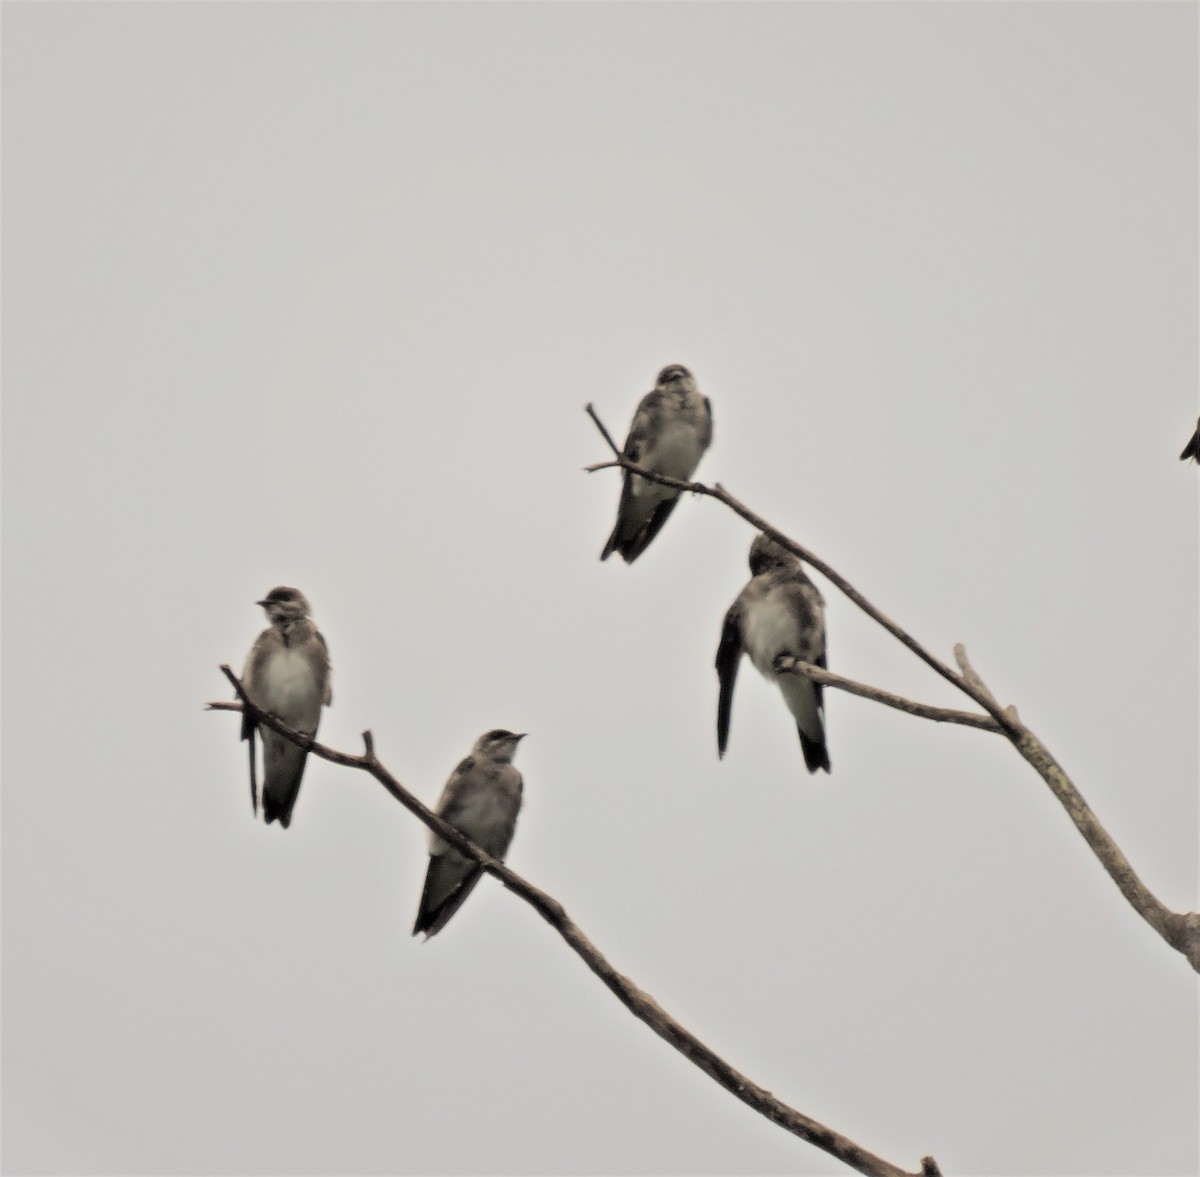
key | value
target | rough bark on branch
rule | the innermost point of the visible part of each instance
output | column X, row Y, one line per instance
column 638, row 1002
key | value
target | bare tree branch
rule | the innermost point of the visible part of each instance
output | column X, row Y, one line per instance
column 1181, row 930
column 612, row 445
column 638, row 1002
column 938, row 714
column 718, row 492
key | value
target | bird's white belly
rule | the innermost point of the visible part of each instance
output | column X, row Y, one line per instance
column 290, row 690
column 676, row 454
column 768, row 630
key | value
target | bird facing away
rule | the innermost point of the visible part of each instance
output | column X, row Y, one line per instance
column 482, row 799
column 670, row 432
column 286, row 674
column 779, row 612
column 1192, row 449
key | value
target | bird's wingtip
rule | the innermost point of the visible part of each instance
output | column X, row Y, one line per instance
column 816, row 755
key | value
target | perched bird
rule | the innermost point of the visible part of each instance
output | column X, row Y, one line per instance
column 482, row 799
column 286, row 674
column 1192, row 449
column 670, row 432
column 779, row 612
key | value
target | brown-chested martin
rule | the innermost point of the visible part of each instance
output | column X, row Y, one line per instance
column 779, row 612
column 482, row 799
column 286, row 674
column 670, row 432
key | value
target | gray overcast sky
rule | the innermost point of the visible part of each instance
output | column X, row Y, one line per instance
column 314, row 295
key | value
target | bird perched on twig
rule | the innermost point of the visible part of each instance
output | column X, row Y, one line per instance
column 482, row 799
column 286, row 674
column 670, row 432
column 780, row 612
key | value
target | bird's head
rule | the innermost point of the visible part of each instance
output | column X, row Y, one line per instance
column 285, row 604
column 766, row 554
column 499, row 744
column 673, row 374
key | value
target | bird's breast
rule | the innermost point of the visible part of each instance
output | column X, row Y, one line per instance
column 486, row 816
column 770, row 628
column 676, row 452
column 289, row 687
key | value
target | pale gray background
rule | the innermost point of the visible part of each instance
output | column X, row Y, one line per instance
column 315, row 295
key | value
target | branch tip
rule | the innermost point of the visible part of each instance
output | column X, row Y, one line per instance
column 970, row 676
column 235, row 681
column 590, row 409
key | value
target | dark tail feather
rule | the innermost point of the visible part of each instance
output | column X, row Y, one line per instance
column 283, row 773
column 816, row 755
column 253, row 775
column 624, row 507
column 637, row 543
column 611, row 546
column 432, row 920
column 277, row 803
column 249, row 727
column 281, row 813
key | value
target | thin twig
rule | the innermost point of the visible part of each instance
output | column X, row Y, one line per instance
column 612, row 445
column 924, row 710
column 639, row 1003
column 1181, row 930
